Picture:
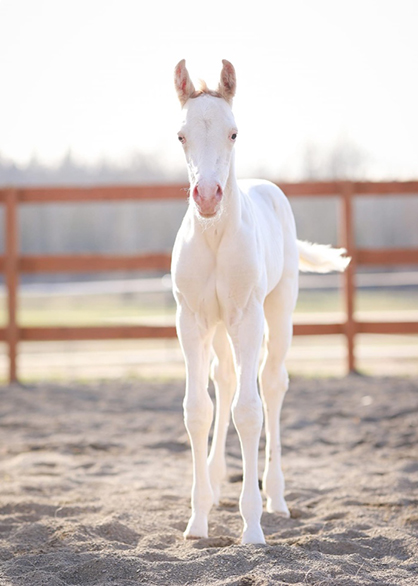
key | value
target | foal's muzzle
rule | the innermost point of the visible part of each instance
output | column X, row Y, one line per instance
column 207, row 197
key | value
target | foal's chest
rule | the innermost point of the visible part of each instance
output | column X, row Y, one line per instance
column 216, row 282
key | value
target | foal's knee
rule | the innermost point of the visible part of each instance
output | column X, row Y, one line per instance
column 222, row 372
column 275, row 381
column 198, row 413
column 248, row 415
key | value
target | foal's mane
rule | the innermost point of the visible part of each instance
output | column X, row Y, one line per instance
column 203, row 89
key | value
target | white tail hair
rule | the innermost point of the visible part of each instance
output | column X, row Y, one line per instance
column 321, row 258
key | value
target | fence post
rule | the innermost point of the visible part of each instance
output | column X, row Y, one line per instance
column 11, row 274
column 347, row 240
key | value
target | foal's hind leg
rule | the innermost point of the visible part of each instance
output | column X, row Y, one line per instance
column 224, row 379
column 274, row 381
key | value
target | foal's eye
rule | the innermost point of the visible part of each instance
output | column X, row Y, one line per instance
column 182, row 139
column 234, row 136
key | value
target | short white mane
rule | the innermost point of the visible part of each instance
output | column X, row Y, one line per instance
column 203, row 89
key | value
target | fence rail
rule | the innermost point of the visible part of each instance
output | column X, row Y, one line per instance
column 12, row 263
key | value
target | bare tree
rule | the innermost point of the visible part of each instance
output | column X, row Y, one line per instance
column 344, row 160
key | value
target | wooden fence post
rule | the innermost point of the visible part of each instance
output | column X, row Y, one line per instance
column 11, row 274
column 347, row 237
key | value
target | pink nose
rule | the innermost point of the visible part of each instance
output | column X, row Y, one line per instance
column 207, row 197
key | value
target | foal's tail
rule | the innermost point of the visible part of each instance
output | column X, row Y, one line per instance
column 321, row 258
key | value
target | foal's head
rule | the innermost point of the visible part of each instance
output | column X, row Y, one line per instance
column 208, row 132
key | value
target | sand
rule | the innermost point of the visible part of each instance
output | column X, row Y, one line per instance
column 95, row 483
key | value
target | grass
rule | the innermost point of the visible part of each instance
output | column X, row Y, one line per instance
column 84, row 311
column 108, row 309
column 365, row 300
column 149, row 359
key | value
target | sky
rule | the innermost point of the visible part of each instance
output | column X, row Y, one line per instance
column 95, row 77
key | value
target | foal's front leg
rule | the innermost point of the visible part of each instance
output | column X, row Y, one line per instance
column 198, row 414
column 246, row 337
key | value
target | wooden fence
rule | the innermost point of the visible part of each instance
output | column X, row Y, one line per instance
column 12, row 263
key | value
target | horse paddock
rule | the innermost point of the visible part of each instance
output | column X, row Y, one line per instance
column 96, row 480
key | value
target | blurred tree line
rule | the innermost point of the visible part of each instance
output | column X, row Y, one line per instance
column 138, row 168
column 132, row 227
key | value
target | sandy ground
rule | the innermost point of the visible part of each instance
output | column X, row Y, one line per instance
column 95, row 483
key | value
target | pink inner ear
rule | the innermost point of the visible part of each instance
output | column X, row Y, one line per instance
column 182, row 83
column 228, row 79
column 227, row 74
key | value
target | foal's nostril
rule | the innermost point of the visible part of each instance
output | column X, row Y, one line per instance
column 219, row 192
column 196, row 193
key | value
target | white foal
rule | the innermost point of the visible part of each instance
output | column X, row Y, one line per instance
column 235, row 279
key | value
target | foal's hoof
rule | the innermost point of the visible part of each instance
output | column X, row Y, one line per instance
column 278, row 506
column 196, row 529
column 254, row 535
column 190, row 537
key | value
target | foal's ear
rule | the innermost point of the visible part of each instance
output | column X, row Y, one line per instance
column 183, row 83
column 228, row 83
